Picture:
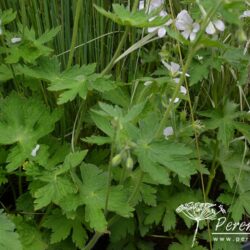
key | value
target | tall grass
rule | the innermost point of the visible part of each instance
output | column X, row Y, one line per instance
column 96, row 37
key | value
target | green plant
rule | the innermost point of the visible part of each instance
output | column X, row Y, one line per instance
column 113, row 145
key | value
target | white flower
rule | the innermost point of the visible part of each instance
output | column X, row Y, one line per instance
column 16, row 40
column 1, row 31
column 147, row 83
column 141, row 5
column 185, row 23
column 174, row 68
column 183, row 90
column 168, row 131
column 215, row 25
column 245, row 14
column 161, row 30
column 34, row 150
column 153, row 4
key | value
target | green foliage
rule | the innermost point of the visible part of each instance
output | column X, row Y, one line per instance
column 72, row 82
column 133, row 139
column 56, row 183
column 24, row 126
column 184, row 243
column 30, row 236
column 61, row 228
column 30, row 48
column 9, row 239
column 224, row 120
column 138, row 19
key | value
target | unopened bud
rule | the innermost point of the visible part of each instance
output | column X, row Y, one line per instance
column 116, row 160
column 129, row 163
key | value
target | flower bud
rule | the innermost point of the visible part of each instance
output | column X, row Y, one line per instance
column 116, row 160
column 129, row 163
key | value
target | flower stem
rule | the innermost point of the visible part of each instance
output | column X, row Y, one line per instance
column 75, row 31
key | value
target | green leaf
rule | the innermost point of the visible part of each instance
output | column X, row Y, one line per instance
column 185, row 243
column 7, row 16
column 23, row 126
column 223, row 119
column 93, row 192
column 99, row 140
column 30, row 48
column 134, row 112
column 200, row 71
column 157, row 158
column 118, row 232
column 5, row 73
column 138, row 19
column 9, row 239
column 102, row 123
column 73, row 82
column 96, row 218
column 55, row 190
column 30, row 237
column 48, row 35
column 56, row 182
column 62, row 228
column 241, row 206
column 167, row 202
column 157, row 172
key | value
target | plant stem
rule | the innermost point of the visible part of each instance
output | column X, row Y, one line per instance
column 175, row 94
column 93, row 241
column 121, row 44
column 212, row 171
column 75, row 31
column 193, row 47
column 109, row 175
column 97, row 235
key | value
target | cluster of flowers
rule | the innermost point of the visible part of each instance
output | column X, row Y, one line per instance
column 183, row 22
column 189, row 29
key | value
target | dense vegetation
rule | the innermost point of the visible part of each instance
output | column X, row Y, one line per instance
column 113, row 115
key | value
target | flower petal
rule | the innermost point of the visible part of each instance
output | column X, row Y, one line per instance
column 180, row 25
column 176, row 80
column 219, row 25
column 175, row 100
column 210, row 29
column 16, row 39
column 168, row 131
column 245, row 14
column 192, row 36
column 154, row 4
column 196, row 27
column 175, row 67
column 183, row 90
column 152, row 29
column 161, row 32
column 186, row 33
column 185, row 17
column 163, row 13
column 141, row 5
column 147, row 83
column 168, row 66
